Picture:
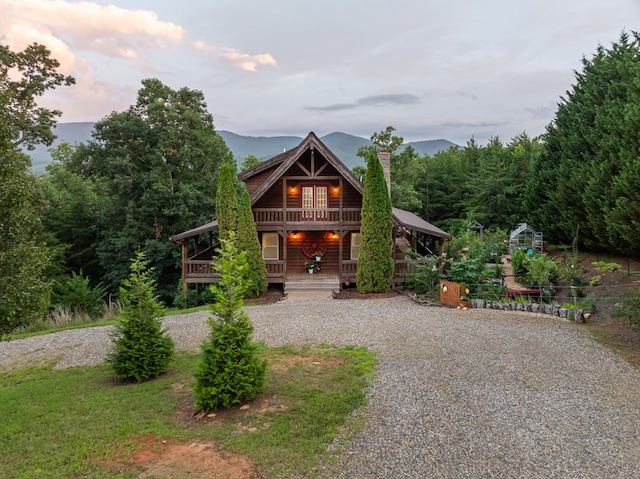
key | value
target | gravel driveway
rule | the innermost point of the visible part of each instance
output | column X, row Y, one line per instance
column 459, row 394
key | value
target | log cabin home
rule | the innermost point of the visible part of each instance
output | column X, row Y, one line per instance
column 306, row 204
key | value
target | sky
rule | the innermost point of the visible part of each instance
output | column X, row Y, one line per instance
column 432, row 69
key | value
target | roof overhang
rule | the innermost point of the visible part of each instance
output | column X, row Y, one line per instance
column 414, row 222
column 206, row 228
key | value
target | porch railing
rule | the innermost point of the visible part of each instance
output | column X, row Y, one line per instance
column 294, row 215
column 202, row 269
column 198, row 268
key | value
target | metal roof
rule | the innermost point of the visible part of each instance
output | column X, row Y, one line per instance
column 196, row 231
column 414, row 222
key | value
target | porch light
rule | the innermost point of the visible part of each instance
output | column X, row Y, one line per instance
column 294, row 234
column 336, row 190
column 292, row 190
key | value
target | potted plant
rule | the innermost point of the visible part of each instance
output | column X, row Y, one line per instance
column 318, row 255
column 464, row 298
column 311, row 267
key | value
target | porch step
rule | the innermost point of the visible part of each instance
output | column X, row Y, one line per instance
column 311, row 284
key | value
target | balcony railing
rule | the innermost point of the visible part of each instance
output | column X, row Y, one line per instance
column 294, row 215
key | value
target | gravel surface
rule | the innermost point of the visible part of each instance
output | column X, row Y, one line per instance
column 459, row 394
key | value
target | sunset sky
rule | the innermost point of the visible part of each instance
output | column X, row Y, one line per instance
column 431, row 69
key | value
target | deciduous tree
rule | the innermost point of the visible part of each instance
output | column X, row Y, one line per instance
column 24, row 289
column 157, row 165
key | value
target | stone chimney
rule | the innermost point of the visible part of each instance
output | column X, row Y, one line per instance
column 385, row 161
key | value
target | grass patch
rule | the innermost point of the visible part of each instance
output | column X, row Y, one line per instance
column 615, row 334
column 172, row 311
column 80, row 422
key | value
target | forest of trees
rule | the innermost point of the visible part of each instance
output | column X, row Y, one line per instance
column 152, row 170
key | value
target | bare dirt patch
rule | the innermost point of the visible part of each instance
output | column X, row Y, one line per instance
column 166, row 459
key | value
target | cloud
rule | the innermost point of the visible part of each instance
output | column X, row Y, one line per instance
column 110, row 30
column 382, row 100
column 374, row 100
column 231, row 55
column 75, row 32
column 542, row 112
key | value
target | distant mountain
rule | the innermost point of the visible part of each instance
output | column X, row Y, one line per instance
column 69, row 132
column 343, row 145
column 431, row 147
column 346, row 147
column 262, row 147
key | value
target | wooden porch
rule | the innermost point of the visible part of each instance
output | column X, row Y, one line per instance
column 201, row 271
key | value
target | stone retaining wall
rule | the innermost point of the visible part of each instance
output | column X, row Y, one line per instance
column 552, row 309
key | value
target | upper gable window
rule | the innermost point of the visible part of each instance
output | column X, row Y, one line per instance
column 315, row 201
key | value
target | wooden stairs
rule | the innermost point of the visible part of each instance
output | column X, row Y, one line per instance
column 317, row 285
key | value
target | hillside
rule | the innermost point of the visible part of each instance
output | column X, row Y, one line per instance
column 343, row 145
column 69, row 132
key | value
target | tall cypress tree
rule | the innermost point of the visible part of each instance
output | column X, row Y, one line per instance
column 248, row 242
column 587, row 174
column 375, row 263
column 226, row 202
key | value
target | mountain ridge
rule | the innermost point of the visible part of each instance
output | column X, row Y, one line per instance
column 345, row 146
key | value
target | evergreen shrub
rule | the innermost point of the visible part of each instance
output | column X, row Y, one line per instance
column 143, row 350
column 77, row 294
column 230, row 371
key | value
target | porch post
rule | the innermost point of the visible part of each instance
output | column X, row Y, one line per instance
column 184, row 243
column 340, row 251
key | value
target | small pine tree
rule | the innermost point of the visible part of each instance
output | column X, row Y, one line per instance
column 375, row 262
column 230, row 371
column 248, row 241
column 143, row 349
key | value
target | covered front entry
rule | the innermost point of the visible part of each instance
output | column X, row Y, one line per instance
column 321, row 248
column 318, row 251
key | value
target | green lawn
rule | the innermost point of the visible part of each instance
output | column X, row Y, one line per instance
column 80, row 422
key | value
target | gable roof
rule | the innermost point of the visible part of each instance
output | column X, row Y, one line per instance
column 281, row 163
column 285, row 160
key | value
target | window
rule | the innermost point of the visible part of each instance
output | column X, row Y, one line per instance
column 321, row 202
column 307, row 202
column 315, row 201
column 270, row 246
column 356, row 239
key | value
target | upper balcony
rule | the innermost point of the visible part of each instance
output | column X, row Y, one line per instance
column 307, row 218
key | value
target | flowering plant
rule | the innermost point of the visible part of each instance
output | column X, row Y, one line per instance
column 465, row 296
column 310, row 265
